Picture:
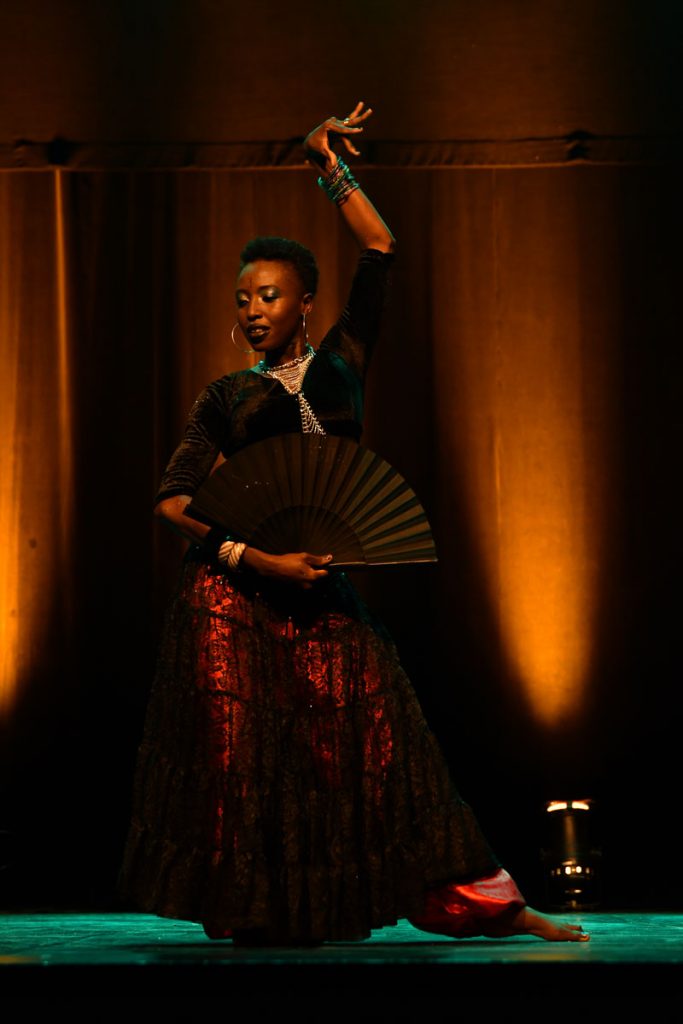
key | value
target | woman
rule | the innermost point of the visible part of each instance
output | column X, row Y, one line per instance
column 288, row 789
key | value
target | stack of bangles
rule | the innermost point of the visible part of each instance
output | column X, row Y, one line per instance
column 230, row 552
column 339, row 184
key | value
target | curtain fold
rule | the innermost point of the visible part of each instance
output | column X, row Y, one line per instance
column 35, row 406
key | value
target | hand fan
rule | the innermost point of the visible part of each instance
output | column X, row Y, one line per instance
column 307, row 492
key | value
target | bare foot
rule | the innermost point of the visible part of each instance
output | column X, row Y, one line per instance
column 531, row 922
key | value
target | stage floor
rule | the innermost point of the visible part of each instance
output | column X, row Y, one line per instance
column 119, row 955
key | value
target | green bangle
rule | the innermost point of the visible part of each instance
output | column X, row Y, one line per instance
column 339, row 184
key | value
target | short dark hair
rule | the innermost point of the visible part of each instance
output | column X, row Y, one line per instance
column 284, row 250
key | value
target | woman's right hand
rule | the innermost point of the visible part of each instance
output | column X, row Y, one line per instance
column 298, row 567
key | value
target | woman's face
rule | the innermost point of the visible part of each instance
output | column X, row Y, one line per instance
column 270, row 304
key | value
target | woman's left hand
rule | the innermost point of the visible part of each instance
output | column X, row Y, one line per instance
column 319, row 144
column 300, row 567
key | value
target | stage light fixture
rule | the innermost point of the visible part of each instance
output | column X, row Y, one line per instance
column 571, row 858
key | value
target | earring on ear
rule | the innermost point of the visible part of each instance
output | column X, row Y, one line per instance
column 246, row 351
column 305, row 329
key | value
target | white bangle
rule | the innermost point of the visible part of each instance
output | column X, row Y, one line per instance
column 230, row 552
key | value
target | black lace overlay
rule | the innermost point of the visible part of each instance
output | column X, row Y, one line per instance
column 287, row 780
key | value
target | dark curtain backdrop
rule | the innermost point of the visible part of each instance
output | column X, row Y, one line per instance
column 527, row 384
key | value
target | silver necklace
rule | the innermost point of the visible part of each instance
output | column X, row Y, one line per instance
column 291, row 376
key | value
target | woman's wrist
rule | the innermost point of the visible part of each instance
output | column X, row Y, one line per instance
column 339, row 183
column 321, row 162
column 259, row 561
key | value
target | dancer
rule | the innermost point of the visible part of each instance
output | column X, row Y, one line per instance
column 288, row 789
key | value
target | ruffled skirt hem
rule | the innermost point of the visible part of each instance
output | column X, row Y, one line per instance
column 287, row 780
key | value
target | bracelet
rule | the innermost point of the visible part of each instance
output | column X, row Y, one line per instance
column 230, row 553
column 339, row 184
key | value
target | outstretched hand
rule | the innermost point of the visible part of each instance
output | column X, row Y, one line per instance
column 319, row 144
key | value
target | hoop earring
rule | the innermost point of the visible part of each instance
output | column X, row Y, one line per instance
column 303, row 315
column 245, row 351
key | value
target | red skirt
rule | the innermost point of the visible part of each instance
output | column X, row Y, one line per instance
column 287, row 780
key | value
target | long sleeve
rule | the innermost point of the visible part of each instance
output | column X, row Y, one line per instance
column 204, row 437
column 354, row 335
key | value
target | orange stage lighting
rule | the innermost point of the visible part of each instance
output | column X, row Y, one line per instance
column 35, row 423
column 522, row 420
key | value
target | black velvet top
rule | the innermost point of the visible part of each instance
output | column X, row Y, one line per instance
column 243, row 407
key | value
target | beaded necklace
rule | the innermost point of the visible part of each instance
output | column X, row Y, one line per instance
column 291, row 376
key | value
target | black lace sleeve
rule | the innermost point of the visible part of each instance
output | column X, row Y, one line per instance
column 354, row 335
column 204, row 437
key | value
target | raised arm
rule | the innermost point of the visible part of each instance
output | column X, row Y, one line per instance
column 360, row 215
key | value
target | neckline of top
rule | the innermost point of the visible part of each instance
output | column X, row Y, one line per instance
column 267, row 376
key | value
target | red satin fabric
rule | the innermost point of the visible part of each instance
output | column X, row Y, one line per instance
column 483, row 907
